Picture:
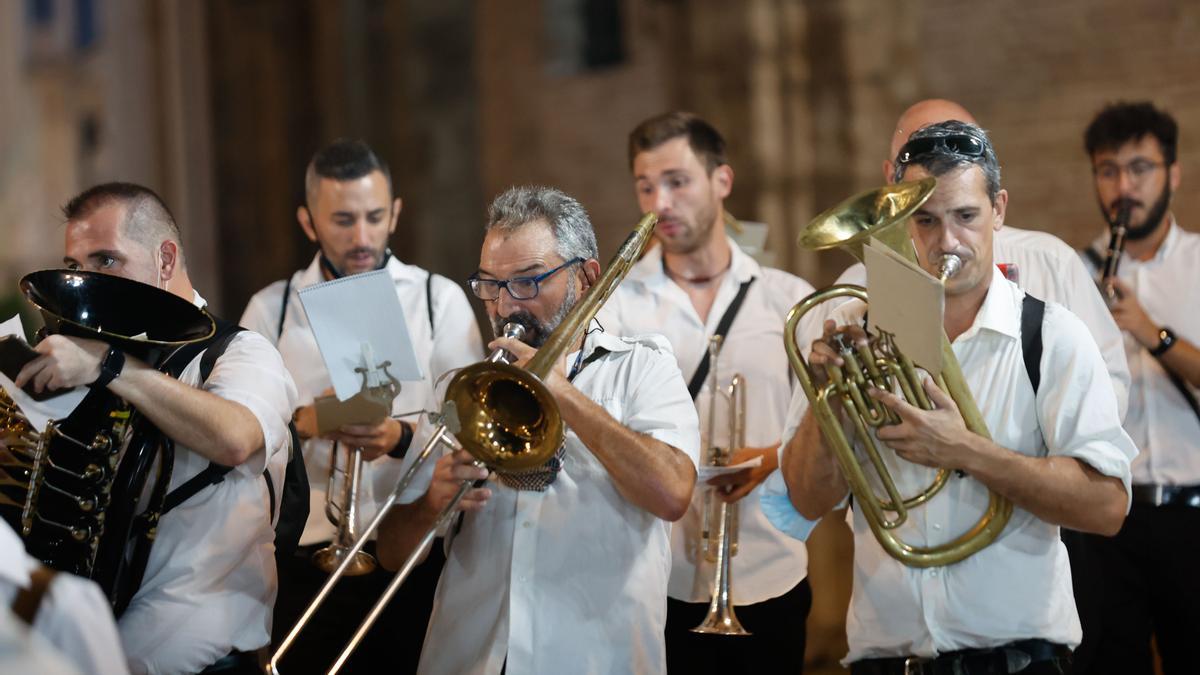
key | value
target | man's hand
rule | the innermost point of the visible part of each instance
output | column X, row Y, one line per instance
column 733, row 486
column 448, row 476
column 376, row 440
column 935, row 438
column 65, row 363
column 1130, row 316
column 825, row 351
column 555, row 380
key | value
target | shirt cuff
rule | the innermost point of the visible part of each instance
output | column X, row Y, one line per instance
column 778, row 509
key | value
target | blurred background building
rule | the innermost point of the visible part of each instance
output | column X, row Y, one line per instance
column 219, row 104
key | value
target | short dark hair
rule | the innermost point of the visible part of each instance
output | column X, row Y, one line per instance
column 342, row 160
column 146, row 213
column 702, row 137
column 942, row 159
column 1121, row 122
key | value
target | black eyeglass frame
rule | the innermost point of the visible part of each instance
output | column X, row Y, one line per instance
column 959, row 144
column 475, row 283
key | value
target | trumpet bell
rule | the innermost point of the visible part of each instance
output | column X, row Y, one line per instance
column 506, row 416
column 329, row 558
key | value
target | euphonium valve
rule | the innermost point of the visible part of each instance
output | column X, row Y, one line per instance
column 882, row 214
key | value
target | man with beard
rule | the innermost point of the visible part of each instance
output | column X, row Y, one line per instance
column 1057, row 451
column 1150, row 582
column 695, row 284
column 349, row 212
column 562, row 569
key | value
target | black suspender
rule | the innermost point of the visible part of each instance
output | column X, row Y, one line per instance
column 722, row 328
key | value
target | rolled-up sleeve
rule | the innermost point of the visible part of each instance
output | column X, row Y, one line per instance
column 1076, row 403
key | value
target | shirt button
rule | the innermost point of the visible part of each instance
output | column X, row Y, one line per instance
column 527, row 524
column 937, row 526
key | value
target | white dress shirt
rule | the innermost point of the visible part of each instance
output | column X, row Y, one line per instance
column 1160, row 421
column 1051, row 271
column 768, row 562
column 457, row 344
column 573, row 579
column 74, row 616
column 210, row 581
column 23, row 651
column 1019, row 586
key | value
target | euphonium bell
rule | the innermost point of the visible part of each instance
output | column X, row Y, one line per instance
column 882, row 214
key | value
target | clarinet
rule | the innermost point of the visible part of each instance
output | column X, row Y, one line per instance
column 1116, row 244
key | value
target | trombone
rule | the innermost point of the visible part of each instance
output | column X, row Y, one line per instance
column 720, row 546
column 501, row 414
column 347, row 558
column 882, row 214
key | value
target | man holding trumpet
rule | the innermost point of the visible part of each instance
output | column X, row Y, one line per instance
column 697, row 284
column 1059, row 455
column 562, row 569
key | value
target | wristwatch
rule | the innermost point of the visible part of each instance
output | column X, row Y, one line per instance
column 110, row 368
column 406, row 436
column 1166, row 339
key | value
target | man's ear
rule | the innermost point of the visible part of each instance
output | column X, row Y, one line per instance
column 722, row 178
column 591, row 272
column 1000, row 208
column 304, row 216
column 168, row 252
column 397, row 204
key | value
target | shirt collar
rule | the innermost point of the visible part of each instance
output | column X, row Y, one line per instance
column 998, row 313
column 198, row 300
column 650, row 272
column 399, row 271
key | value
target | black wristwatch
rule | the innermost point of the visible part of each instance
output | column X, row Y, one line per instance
column 110, row 368
column 406, row 436
column 1166, row 339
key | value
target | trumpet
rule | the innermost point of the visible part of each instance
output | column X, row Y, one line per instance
column 719, row 527
column 380, row 387
column 502, row 415
column 1116, row 245
column 882, row 214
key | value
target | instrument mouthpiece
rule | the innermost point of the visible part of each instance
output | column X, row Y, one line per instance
column 949, row 266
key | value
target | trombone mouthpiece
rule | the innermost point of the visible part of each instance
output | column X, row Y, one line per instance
column 949, row 266
column 514, row 330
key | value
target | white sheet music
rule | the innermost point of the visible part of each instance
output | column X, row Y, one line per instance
column 38, row 412
column 352, row 311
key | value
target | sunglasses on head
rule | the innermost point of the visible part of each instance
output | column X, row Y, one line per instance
column 959, row 144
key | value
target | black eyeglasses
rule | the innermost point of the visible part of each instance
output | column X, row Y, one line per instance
column 520, row 288
column 959, row 144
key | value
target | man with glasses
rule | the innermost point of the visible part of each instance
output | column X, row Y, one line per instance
column 1057, row 452
column 695, row 284
column 349, row 213
column 561, row 569
column 1150, row 582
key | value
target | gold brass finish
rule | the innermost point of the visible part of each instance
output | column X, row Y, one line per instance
column 883, row 214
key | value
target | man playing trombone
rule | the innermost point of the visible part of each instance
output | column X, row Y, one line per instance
column 562, row 569
column 697, row 283
column 1059, row 456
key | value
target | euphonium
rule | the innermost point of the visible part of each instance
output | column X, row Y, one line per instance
column 73, row 490
column 1116, row 245
column 501, row 414
column 882, row 214
column 719, row 524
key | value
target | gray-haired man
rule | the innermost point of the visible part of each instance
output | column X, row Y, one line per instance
column 568, row 573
